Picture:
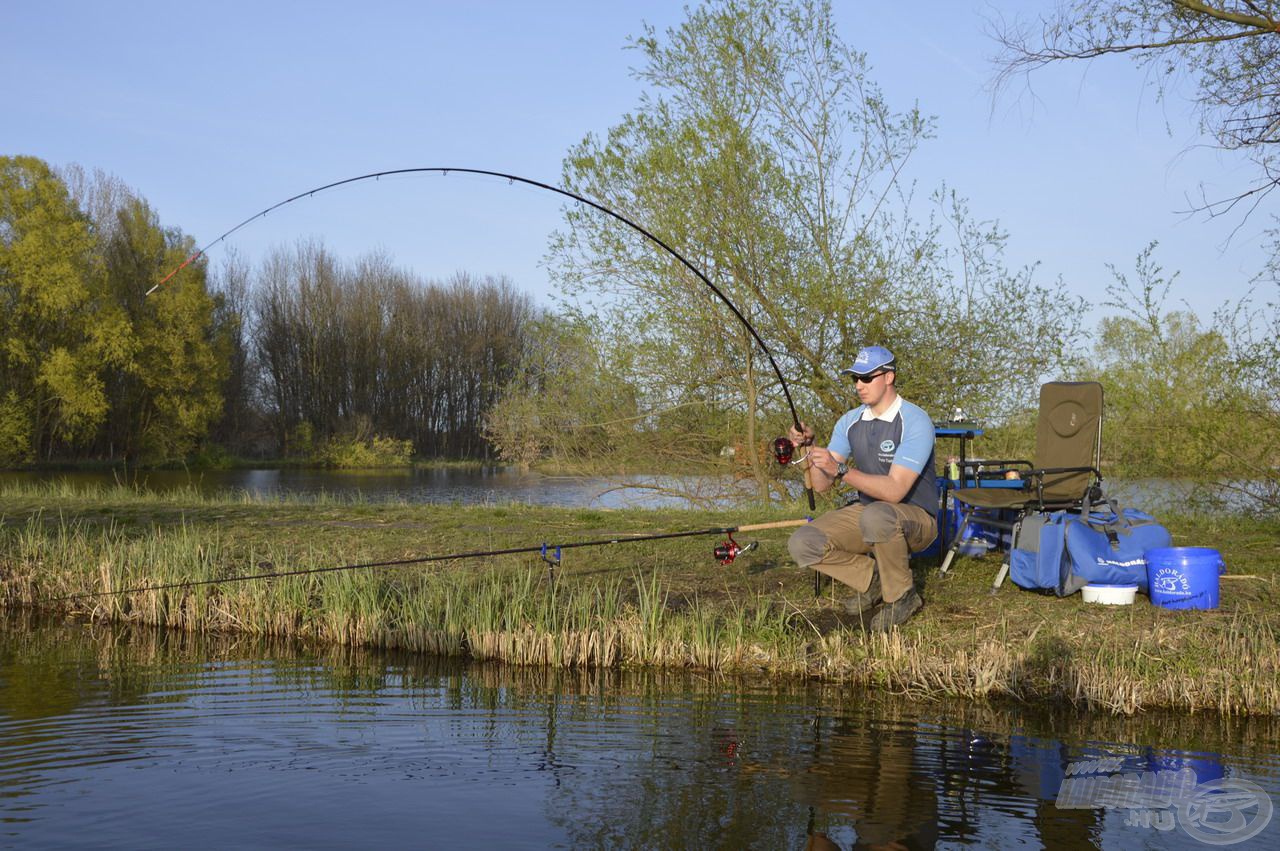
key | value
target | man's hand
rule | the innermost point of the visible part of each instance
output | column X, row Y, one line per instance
column 821, row 458
column 801, row 437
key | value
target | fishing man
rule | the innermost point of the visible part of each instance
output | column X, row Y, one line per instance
column 884, row 449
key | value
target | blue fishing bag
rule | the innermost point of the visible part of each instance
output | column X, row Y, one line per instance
column 1064, row 551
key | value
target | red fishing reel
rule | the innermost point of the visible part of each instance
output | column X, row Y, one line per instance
column 783, row 449
column 725, row 553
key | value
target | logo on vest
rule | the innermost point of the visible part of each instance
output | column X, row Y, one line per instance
column 886, row 446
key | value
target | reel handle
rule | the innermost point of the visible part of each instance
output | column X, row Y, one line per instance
column 726, row 552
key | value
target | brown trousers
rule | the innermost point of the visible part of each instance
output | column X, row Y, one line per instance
column 841, row 543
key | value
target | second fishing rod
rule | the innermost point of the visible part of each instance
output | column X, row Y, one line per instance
column 724, row 553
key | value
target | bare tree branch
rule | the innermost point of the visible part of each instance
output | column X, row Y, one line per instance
column 1231, row 48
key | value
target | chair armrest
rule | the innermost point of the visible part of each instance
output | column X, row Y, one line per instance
column 1036, row 479
column 996, row 462
column 1041, row 471
column 994, row 468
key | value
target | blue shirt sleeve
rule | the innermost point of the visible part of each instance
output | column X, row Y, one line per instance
column 917, row 439
column 840, row 434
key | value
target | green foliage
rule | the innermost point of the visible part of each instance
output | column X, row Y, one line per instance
column 1163, row 376
column 360, row 448
column 59, row 330
column 764, row 152
column 1188, row 401
column 15, row 430
column 211, row 456
column 89, row 363
column 567, row 404
column 302, row 439
column 169, row 394
column 1251, row 419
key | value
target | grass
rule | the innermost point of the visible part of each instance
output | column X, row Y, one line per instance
column 662, row 604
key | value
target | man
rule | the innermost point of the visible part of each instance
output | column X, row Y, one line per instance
column 890, row 442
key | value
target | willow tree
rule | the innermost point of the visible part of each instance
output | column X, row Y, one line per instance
column 763, row 151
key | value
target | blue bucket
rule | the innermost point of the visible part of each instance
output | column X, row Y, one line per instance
column 1184, row 577
column 1206, row 766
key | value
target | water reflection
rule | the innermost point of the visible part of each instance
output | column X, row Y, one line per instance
column 146, row 739
column 496, row 485
column 867, row 774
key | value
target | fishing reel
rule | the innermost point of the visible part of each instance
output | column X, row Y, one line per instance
column 783, row 449
column 726, row 552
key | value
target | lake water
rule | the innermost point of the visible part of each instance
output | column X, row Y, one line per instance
column 490, row 485
column 113, row 737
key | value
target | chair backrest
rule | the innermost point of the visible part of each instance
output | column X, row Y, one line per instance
column 1068, row 434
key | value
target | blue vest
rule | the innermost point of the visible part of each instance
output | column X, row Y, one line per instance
column 907, row 440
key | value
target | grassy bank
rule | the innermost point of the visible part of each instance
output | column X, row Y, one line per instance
column 663, row 603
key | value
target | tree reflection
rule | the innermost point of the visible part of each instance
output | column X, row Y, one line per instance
column 611, row 758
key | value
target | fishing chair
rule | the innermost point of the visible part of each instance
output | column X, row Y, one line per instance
column 1063, row 476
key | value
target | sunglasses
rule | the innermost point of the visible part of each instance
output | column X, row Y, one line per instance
column 867, row 379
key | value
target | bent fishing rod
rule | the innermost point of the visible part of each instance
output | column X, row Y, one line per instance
column 725, row 553
column 512, row 178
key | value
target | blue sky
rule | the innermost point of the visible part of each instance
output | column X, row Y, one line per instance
column 216, row 111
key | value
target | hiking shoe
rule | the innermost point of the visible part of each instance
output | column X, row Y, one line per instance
column 896, row 613
column 861, row 601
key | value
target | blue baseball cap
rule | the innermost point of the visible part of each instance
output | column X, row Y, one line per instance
column 871, row 359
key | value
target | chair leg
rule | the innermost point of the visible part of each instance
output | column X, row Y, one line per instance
column 955, row 543
column 949, row 557
column 1000, row 575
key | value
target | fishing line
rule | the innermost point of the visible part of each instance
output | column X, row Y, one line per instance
column 512, row 178
column 725, row 553
column 442, row 170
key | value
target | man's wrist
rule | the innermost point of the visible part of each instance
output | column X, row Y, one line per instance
column 841, row 469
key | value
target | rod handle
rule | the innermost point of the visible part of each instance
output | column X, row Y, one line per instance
column 777, row 524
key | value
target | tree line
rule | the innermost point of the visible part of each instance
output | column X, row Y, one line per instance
column 348, row 347
column 284, row 359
